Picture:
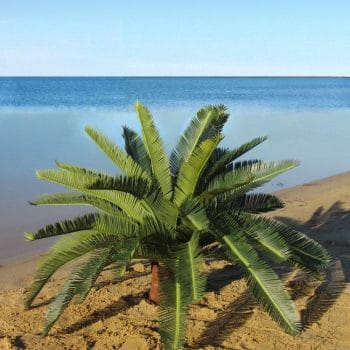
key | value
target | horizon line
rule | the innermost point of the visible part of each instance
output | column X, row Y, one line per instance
column 174, row 76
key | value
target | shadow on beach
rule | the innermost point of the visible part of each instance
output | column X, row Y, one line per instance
column 328, row 227
column 125, row 302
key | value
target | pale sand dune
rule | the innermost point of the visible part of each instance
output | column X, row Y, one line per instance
column 116, row 316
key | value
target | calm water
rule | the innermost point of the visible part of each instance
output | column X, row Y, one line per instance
column 41, row 120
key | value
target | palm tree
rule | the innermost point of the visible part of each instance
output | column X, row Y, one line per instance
column 175, row 212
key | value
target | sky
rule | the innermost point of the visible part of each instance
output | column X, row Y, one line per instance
column 171, row 38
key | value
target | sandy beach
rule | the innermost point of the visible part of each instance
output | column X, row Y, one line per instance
column 116, row 316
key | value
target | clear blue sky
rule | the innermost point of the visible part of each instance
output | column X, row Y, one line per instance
column 193, row 37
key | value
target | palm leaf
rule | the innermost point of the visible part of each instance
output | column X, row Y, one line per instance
column 76, row 284
column 164, row 209
column 135, row 148
column 123, row 227
column 246, row 178
column 229, row 156
column 251, row 203
column 193, row 134
column 263, row 283
column 220, row 117
column 196, row 214
column 80, row 223
column 125, row 163
column 191, row 169
column 132, row 206
column 65, row 250
column 175, row 298
column 181, row 282
column 265, row 171
column 306, row 253
column 123, row 257
column 155, row 150
column 191, row 261
column 262, row 280
column 72, row 198
column 265, row 232
column 231, row 182
column 97, row 180
column 83, row 179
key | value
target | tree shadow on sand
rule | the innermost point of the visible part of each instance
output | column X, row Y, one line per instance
column 110, row 310
column 232, row 317
column 218, row 279
column 331, row 228
column 336, row 219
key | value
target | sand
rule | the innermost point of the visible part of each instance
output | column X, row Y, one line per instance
column 116, row 316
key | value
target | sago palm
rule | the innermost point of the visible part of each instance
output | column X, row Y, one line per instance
column 175, row 212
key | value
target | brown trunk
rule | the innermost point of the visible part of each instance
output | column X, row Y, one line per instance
column 154, row 292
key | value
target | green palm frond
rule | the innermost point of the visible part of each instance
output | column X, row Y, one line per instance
column 246, row 178
column 207, row 118
column 165, row 210
column 125, row 163
column 182, row 283
column 83, row 288
column 135, row 148
column 76, row 285
column 72, row 198
column 246, row 163
column 84, row 179
column 65, row 250
column 131, row 205
column 220, row 117
column 230, row 182
column 265, row 171
column 191, row 169
column 97, row 180
column 191, row 260
column 251, row 203
column 155, row 150
column 265, row 232
column 122, row 258
column 264, row 283
column 303, row 252
column 307, row 254
column 175, row 297
column 151, row 226
column 227, row 157
column 70, row 179
column 196, row 213
column 80, row 223
column 149, row 249
column 123, row 227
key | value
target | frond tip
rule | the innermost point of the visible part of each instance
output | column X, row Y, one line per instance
column 29, row 236
column 264, row 284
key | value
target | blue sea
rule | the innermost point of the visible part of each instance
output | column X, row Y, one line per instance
column 42, row 120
